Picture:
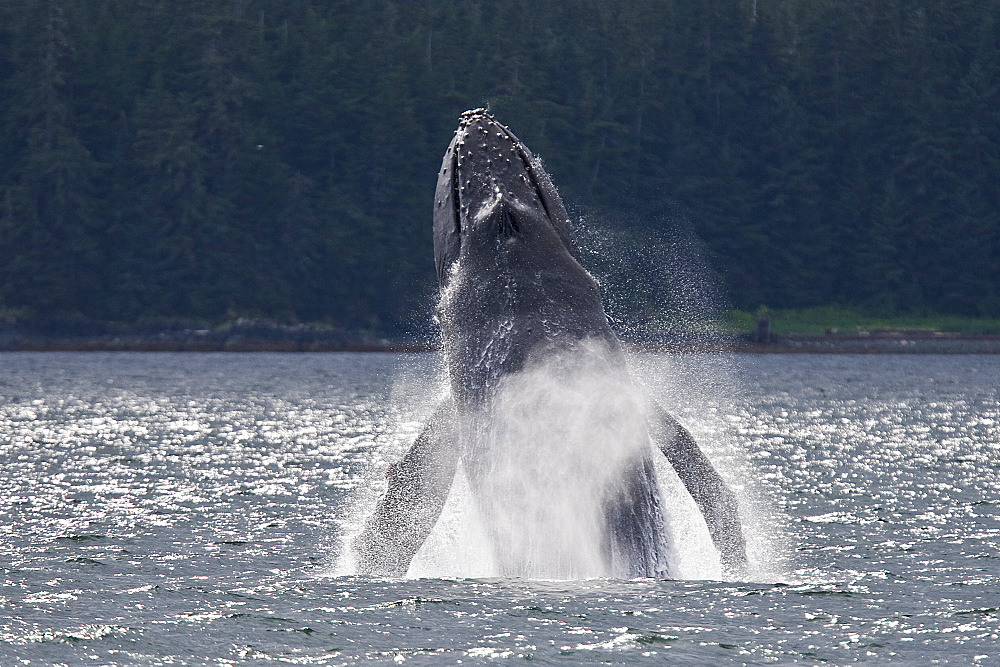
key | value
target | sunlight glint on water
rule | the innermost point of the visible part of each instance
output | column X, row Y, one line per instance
column 186, row 508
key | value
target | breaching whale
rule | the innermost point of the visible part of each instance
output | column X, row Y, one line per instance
column 533, row 365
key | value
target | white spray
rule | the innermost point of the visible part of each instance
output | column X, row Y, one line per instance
column 552, row 450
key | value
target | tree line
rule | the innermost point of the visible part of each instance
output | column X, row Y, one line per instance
column 267, row 158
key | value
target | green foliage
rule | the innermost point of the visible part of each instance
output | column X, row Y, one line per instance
column 211, row 158
column 847, row 321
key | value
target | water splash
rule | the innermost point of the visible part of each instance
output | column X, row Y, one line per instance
column 555, row 445
column 656, row 285
column 706, row 392
column 553, row 451
column 558, row 437
column 660, row 291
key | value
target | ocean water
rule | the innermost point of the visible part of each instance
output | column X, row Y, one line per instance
column 192, row 509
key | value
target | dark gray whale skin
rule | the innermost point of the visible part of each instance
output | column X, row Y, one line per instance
column 513, row 294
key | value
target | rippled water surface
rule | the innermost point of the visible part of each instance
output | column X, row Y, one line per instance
column 189, row 509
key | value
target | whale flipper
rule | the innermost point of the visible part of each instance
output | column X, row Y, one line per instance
column 417, row 490
column 713, row 496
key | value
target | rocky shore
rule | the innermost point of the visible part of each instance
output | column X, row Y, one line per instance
column 236, row 336
column 872, row 345
column 263, row 336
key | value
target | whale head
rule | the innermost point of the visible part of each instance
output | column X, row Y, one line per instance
column 494, row 198
column 512, row 287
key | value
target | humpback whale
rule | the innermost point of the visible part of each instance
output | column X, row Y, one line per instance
column 540, row 394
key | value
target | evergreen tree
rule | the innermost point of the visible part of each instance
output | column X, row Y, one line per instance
column 225, row 158
column 49, row 192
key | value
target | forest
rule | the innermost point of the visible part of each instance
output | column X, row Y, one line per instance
column 218, row 159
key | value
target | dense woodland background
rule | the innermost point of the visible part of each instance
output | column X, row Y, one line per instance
column 276, row 158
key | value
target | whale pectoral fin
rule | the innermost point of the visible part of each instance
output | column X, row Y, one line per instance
column 418, row 487
column 713, row 496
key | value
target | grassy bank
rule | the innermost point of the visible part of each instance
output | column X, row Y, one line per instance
column 843, row 321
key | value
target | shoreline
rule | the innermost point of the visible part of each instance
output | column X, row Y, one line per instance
column 831, row 344
column 248, row 335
